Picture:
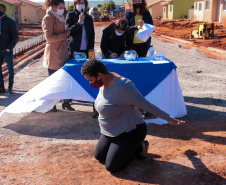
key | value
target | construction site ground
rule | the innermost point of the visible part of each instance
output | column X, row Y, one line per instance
column 58, row 147
column 181, row 29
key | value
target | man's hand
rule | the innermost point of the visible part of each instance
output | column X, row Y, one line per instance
column 173, row 121
column 113, row 55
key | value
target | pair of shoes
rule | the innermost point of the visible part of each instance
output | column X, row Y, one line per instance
column 145, row 145
column 54, row 109
column 2, row 90
column 10, row 90
column 66, row 105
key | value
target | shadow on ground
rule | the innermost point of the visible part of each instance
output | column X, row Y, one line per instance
column 76, row 125
column 162, row 172
column 199, row 121
column 10, row 98
column 81, row 126
column 205, row 101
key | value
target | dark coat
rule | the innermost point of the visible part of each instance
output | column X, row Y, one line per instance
column 111, row 43
column 129, row 16
column 9, row 34
column 76, row 30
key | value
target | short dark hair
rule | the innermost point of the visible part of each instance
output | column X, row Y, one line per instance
column 92, row 67
column 49, row 3
column 78, row 2
column 3, row 6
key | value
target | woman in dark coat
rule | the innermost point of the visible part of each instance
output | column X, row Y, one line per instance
column 136, row 17
column 116, row 39
column 81, row 27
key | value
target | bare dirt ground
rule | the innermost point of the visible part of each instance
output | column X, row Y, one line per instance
column 29, row 31
column 182, row 28
column 57, row 148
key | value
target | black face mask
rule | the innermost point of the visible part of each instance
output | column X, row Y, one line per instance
column 1, row 14
column 138, row 5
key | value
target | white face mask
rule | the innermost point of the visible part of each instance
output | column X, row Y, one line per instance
column 117, row 33
column 79, row 7
column 60, row 11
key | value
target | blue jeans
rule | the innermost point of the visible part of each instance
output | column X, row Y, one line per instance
column 9, row 60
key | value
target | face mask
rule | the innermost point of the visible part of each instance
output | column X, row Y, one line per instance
column 1, row 14
column 117, row 33
column 79, row 7
column 97, row 84
column 138, row 5
column 60, row 11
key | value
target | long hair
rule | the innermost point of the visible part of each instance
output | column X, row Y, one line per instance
column 49, row 3
column 78, row 2
column 142, row 9
column 120, row 24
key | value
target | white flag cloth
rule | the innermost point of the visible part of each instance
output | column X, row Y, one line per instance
column 146, row 31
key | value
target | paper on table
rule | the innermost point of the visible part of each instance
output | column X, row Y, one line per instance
column 145, row 32
column 159, row 61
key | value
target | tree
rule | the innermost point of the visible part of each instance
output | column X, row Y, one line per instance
column 87, row 10
column 110, row 6
column 99, row 5
column 70, row 8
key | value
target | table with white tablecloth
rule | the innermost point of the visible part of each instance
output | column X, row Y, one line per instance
column 156, row 80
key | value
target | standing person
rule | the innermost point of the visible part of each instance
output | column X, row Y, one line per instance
column 116, row 39
column 136, row 17
column 81, row 27
column 16, row 18
column 56, row 52
column 8, row 39
column 122, row 125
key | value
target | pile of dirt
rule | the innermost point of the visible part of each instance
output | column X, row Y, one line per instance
column 104, row 23
column 30, row 33
column 31, row 29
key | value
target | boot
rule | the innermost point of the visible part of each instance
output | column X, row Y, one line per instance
column 10, row 90
column 66, row 105
column 2, row 90
column 54, row 109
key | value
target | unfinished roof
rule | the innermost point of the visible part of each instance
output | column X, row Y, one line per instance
column 15, row 2
column 32, row 3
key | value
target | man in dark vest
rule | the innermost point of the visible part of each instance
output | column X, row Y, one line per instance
column 8, row 40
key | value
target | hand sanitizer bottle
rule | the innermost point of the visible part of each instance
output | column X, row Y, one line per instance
column 151, row 51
